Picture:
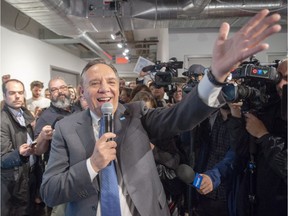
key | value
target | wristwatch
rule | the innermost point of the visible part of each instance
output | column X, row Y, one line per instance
column 212, row 78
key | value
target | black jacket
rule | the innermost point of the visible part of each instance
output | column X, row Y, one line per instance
column 269, row 176
column 15, row 169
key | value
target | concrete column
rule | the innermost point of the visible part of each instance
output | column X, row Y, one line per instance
column 163, row 45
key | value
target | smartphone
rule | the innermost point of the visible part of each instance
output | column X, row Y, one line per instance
column 33, row 143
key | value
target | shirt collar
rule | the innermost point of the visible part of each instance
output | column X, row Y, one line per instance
column 15, row 112
column 95, row 118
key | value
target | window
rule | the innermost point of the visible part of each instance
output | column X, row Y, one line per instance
column 201, row 59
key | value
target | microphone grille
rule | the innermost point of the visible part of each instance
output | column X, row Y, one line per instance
column 107, row 108
column 185, row 173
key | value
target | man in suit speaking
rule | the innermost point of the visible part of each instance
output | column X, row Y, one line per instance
column 79, row 156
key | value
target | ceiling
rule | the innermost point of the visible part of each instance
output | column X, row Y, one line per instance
column 83, row 27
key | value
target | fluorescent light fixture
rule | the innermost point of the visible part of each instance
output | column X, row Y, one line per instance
column 120, row 45
column 113, row 36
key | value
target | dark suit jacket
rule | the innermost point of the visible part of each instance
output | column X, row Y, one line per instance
column 66, row 178
column 15, row 169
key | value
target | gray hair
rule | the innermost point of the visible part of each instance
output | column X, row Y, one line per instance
column 95, row 62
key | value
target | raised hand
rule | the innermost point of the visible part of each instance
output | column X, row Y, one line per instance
column 229, row 53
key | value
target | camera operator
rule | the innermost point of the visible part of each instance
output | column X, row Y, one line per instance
column 282, row 68
column 195, row 74
column 158, row 93
column 261, row 159
column 177, row 94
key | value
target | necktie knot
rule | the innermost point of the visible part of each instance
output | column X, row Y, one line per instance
column 20, row 119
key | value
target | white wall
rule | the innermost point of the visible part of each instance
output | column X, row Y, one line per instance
column 27, row 59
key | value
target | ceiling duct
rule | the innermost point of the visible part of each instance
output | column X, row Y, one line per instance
column 199, row 9
column 64, row 17
column 74, row 18
column 161, row 10
column 89, row 21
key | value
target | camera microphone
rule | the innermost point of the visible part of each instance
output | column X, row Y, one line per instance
column 148, row 68
column 187, row 175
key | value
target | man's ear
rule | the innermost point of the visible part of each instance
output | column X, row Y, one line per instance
column 80, row 90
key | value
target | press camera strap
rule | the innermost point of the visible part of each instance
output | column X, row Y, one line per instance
column 252, row 175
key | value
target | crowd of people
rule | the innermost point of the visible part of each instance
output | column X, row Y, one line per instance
column 54, row 156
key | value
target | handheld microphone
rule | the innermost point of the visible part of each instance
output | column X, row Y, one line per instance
column 107, row 110
column 187, row 175
column 56, row 120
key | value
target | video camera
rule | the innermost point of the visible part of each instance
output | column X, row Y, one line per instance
column 255, row 85
column 164, row 78
column 167, row 78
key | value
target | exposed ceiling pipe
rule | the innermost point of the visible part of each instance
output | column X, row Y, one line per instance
column 59, row 17
column 199, row 9
column 195, row 6
column 120, row 27
column 94, row 47
column 240, row 8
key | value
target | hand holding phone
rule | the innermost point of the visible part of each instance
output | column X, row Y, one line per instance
column 33, row 143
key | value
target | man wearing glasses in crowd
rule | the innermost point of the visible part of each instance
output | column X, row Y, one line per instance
column 60, row 106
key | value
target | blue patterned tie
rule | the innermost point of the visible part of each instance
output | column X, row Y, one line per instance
column 109, row 199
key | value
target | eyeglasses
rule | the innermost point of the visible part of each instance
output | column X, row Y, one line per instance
column 56, row 90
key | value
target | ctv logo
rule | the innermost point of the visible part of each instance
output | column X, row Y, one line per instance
column 259, row 72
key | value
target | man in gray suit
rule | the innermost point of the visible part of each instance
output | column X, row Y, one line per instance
column 77, row 156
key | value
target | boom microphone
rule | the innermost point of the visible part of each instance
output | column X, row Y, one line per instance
column 187, row 175
column 107, row 110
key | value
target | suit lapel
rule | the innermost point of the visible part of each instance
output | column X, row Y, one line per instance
column 85, row 132
column 120, row 118
column 121, row 121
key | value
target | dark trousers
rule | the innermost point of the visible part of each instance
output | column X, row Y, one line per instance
column 211, row 207
column 17, row 197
